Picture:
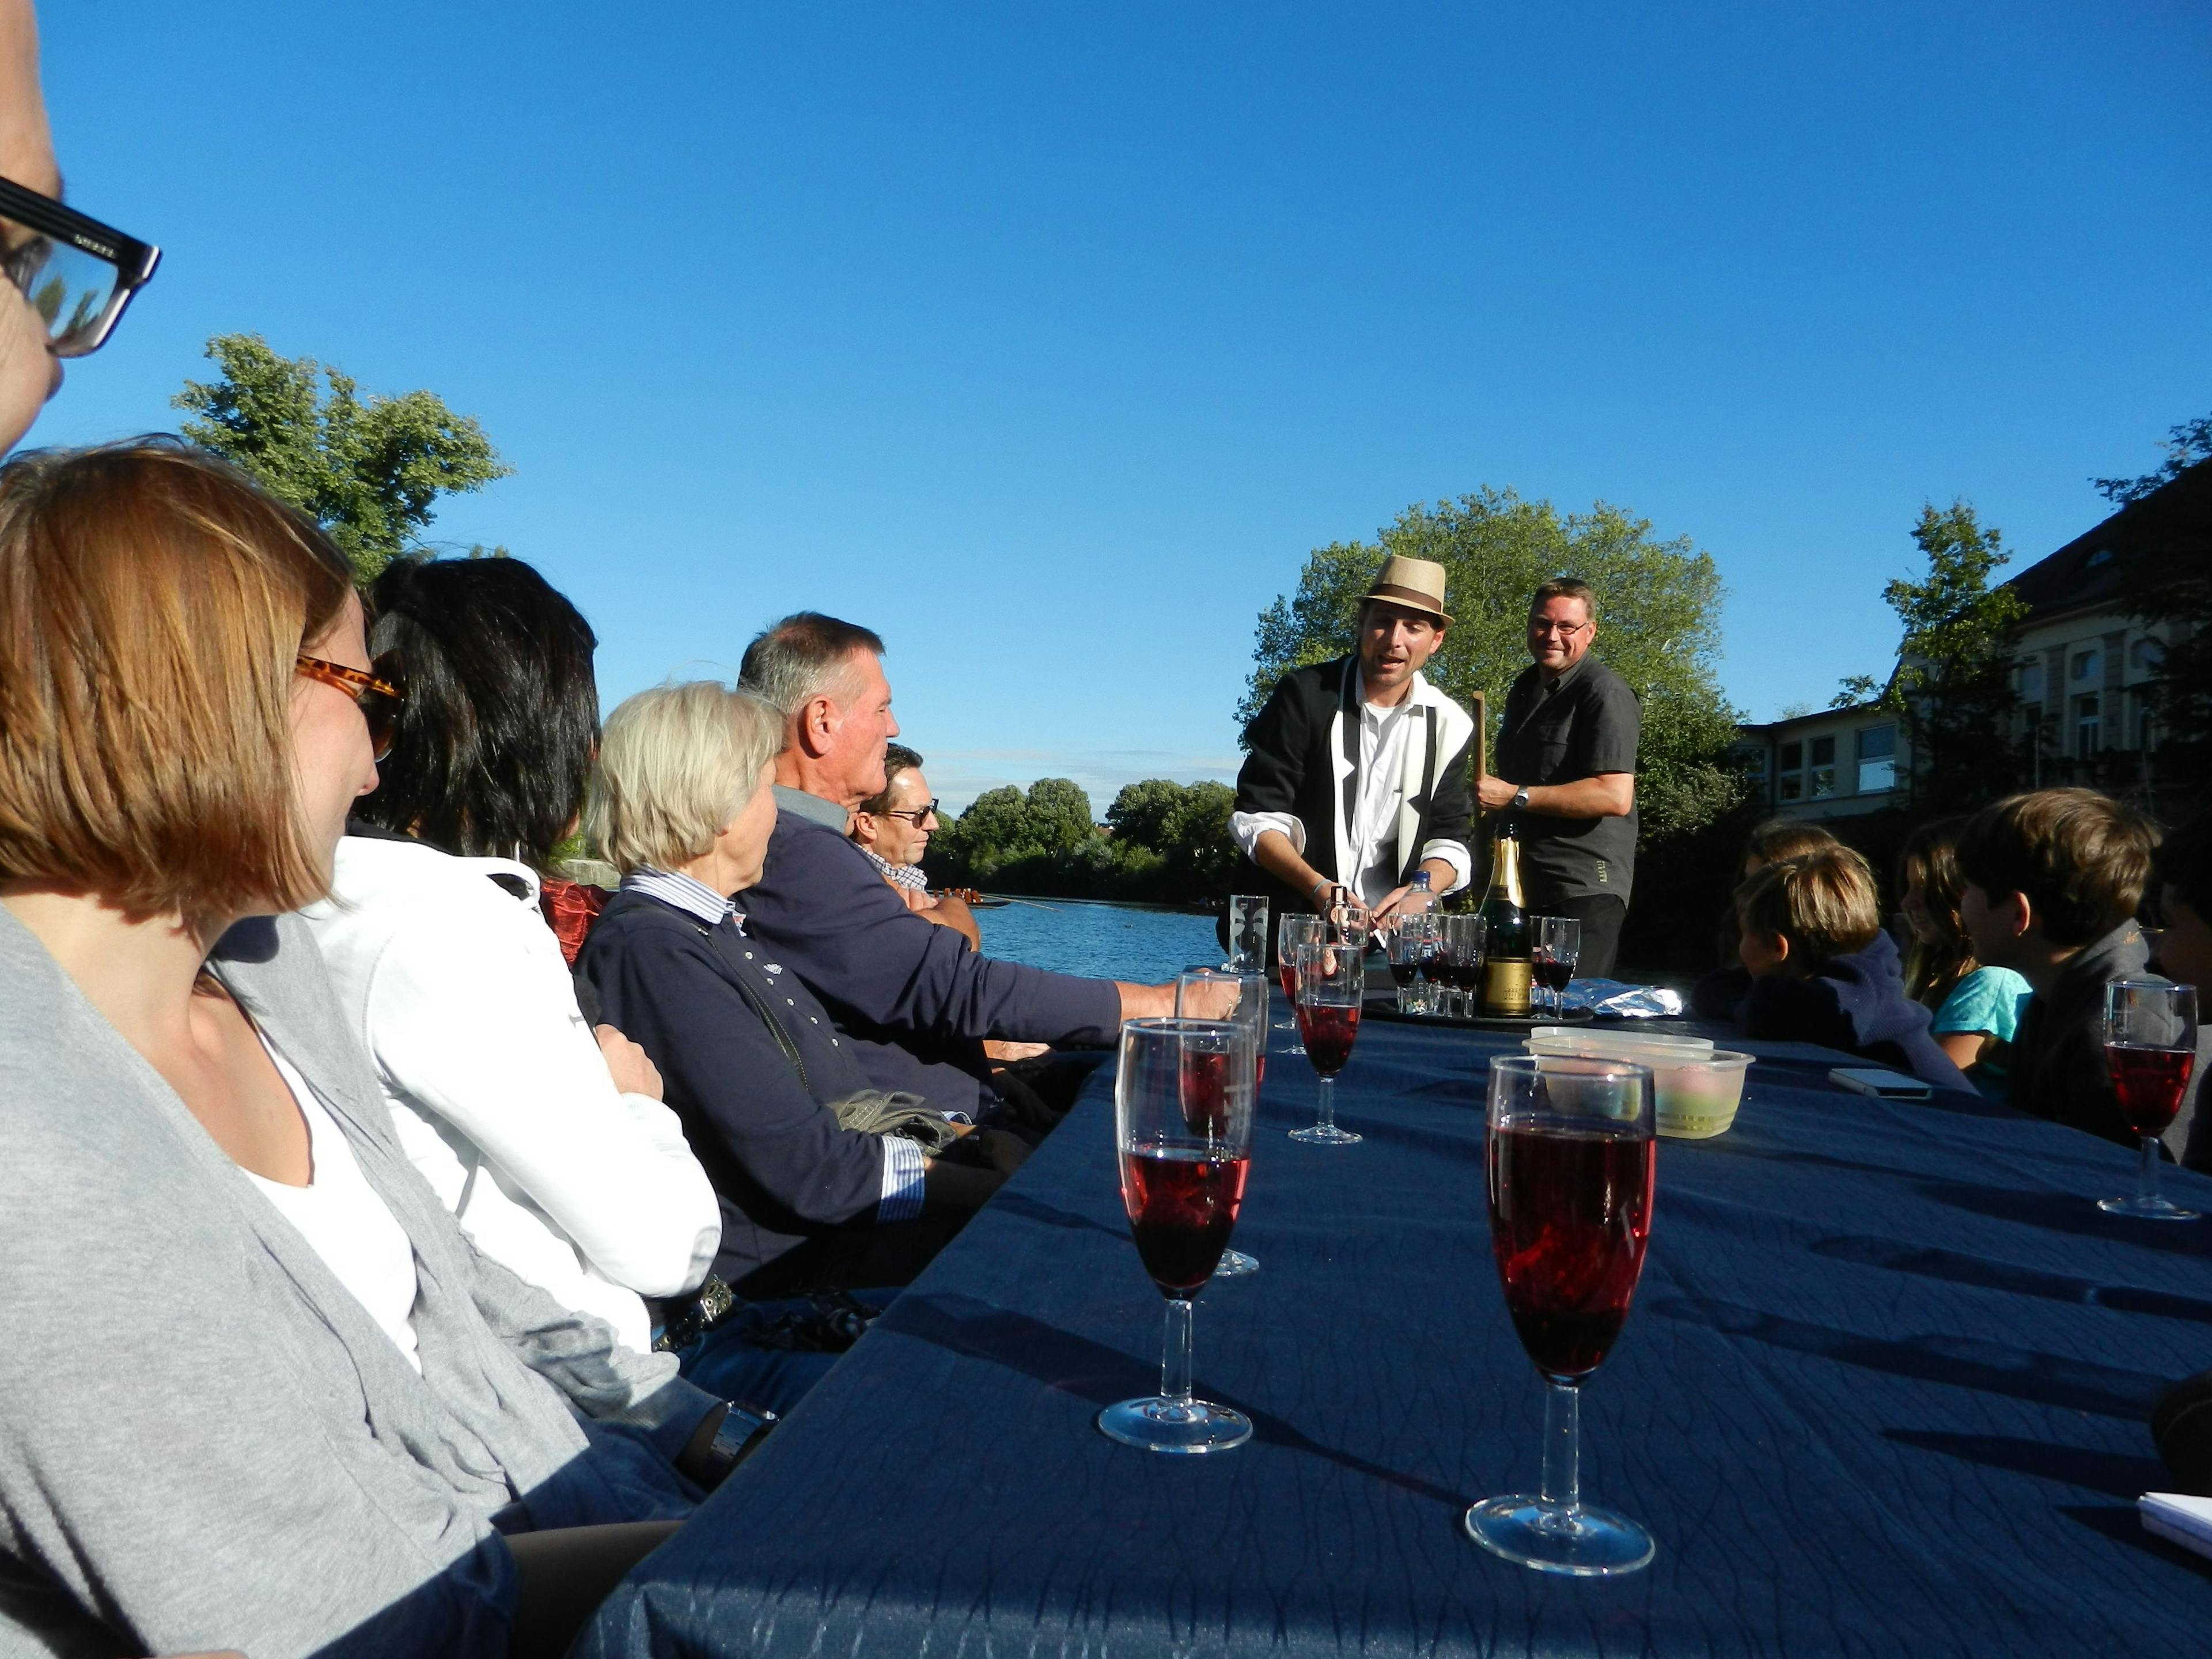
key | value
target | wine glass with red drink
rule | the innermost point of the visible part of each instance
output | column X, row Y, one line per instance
column 1408, row 947
column 1332, row 980
column 1556, row 943
column 1198, row 992
column 1296, row 931
column 1570, row 1187
column 1182, row 1120
column 2150, row 1045
column 1464, row 935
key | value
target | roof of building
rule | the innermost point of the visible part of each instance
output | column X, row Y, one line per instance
column 2173, row 520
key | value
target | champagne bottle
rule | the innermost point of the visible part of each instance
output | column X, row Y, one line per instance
column 1507, row 944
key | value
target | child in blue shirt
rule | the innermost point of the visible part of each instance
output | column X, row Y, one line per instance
column 1976, row 1009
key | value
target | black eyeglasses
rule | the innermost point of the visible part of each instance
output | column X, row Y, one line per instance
column 914, row 815
column 76, row 273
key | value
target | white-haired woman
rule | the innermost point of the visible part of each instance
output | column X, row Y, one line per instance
column 751, row 1062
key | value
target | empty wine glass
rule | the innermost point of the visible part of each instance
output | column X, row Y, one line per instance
column 2150, row 1046
column 1296, row 931
column 1571, row 1187
column 1332, row 981
column 1197, row 991
column 1556, row 944
column 1183, row 1123
column 1248, row 933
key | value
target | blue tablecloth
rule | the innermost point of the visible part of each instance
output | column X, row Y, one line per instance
column 1883, row 1391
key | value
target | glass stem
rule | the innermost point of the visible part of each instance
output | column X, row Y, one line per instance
column 1174, row 1362
column 1562, row 1425
column 2147, row 1176
column 1328, row 1118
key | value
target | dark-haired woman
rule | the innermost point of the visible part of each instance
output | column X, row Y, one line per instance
column 551, row 1147
column 256, row 1388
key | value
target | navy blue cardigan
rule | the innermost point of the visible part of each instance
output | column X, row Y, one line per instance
column 786, row 1172
column 908, row 995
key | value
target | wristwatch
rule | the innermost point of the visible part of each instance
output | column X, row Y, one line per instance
column 1521, row 798
column 743, row 1429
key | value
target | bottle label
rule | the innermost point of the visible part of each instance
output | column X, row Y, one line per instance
column 1505, row 987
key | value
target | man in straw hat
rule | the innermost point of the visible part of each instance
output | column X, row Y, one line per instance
column 1357, row 771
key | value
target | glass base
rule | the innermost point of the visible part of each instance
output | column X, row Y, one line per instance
column 1325, row 1134
column 1586, row 1543
column 1235, row 1264
column 2146, row 1209
column 1161, row 1425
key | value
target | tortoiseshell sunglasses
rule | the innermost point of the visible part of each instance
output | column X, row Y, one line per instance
column 378, row 700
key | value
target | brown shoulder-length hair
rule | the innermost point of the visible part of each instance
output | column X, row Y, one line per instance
column 1930, row 857
column 152, row 602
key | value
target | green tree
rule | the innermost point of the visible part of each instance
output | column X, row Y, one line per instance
column 1952, row 688
column 368, row 471
column 2185, row 445
column 1059, row 816
column 1659, row 628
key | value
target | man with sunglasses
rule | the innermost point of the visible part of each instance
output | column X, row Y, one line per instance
column 893, row 827
column 1566, row 770
column 67, row 276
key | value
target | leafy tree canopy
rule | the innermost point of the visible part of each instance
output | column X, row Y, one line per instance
column 1952, row 688
column 1659, row 606
column 1167, row 842
column 368, row 471
column 2185, row 445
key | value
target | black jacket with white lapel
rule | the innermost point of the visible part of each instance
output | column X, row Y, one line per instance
column 1304, row 761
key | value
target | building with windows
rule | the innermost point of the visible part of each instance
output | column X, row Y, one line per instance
column 2082, row 667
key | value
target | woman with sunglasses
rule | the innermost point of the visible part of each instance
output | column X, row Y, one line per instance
column 552, row 1149
column 257, row 1389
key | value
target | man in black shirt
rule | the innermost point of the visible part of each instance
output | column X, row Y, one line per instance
column 1566, row 770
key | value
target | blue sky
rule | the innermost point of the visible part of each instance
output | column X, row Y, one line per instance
column 1048, row 339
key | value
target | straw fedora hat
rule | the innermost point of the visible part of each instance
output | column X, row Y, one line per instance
column 1416, row 584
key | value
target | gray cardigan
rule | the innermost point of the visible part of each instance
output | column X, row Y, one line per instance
column 205, row 1441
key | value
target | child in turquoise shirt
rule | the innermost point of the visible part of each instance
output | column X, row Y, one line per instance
column 1976, row 1009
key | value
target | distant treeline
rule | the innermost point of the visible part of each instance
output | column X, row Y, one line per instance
column 1161, row 842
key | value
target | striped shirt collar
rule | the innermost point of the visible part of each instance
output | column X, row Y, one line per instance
column 682, row 892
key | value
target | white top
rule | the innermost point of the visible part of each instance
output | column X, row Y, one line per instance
column 351, row 1229
column 1371, row 859
column 498, row 1093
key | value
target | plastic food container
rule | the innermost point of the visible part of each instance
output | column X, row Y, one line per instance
column 1620, row 1041
column 1697, row 1094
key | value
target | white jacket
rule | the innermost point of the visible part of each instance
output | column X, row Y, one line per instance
column 498, row 1091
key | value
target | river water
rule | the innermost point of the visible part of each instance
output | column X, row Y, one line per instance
column 1100, row 939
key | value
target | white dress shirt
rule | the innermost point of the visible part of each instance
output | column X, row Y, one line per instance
column 1368, row 863
column 498, row 1093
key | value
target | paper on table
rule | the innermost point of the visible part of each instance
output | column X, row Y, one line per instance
column 1623, row 1000
column 2174, row 1516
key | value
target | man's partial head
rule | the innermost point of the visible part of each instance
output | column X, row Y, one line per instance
column 29, row 373
column 827, row 679
column 2079, row 859
column 1562, row 622
column 896, row 825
